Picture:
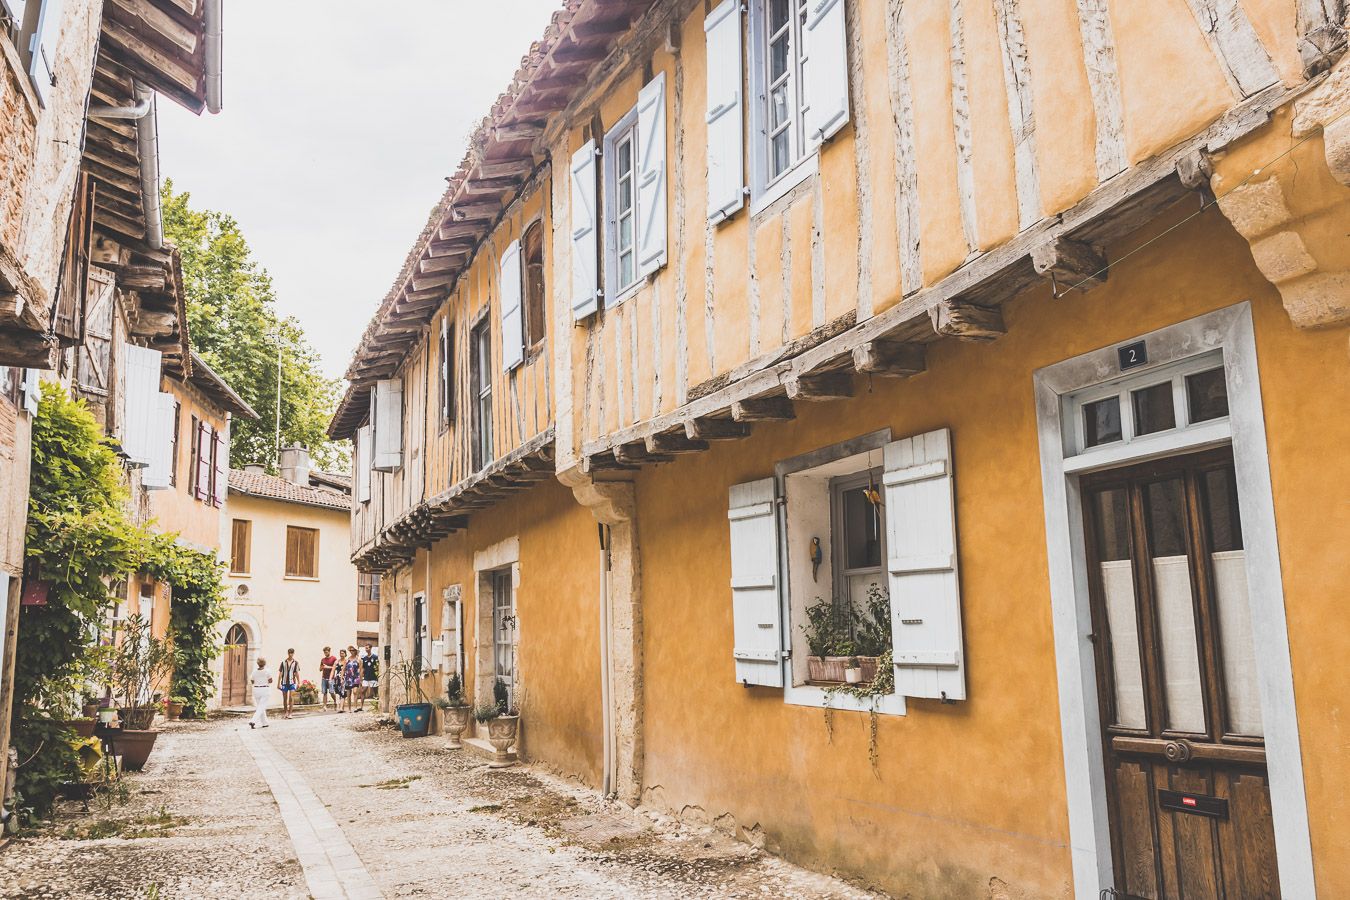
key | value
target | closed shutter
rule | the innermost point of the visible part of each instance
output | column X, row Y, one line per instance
column 925, row 590
column 32, row 391
column 825, row 70
column 156, row 475
column 42, row 68
column 652, row 175
column 362, row 464
column 726, row 163
column 510, row 284
column 388, row 424
column 585, row 271
column 142, row 403
column 756, row 613
column 220, row 460
column 202, row 478
column 71, row 294
column 94, row 355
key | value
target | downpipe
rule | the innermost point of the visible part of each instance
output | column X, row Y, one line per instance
column 606, row 713
column 147, row 148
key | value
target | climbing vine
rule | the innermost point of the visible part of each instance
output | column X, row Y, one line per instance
column 198, row 608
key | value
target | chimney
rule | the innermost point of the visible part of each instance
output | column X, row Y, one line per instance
column 255, row 469
column 294, row 465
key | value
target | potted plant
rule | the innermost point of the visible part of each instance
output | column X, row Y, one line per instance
column 89, row 705
column 173, row 707
column 503, row 723
column 829, row 641
column 140, row 661
column 414, row 714
column 853, row 673
column 454, row 711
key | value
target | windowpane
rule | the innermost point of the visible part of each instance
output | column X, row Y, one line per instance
column 1153, row 408
column 1101, row 421
column 1175, row 605
column 625, row 269
column 779, row 10
column 778, row 58
column 1207, row 395
column 1117, row 575
column 625, row 159
column 1236, row 648
column 778, row 108
column 781, row 153
column 862, row 536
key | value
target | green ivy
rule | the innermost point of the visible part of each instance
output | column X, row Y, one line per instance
column 197, row 610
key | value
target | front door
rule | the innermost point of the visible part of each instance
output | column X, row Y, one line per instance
column 1185, row 757
column 234, row 687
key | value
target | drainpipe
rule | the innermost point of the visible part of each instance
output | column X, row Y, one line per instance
column 147, row 146
column 606, row 714
column 214, row 54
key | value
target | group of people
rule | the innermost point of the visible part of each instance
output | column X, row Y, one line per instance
column 348, row 679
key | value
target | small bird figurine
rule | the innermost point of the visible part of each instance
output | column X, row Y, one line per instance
column 816, row 557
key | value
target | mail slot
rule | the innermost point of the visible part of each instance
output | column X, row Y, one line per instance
column 1197, row 804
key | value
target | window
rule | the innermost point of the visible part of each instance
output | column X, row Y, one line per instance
column 857, row 540
column 783, row 97
column 480, row 364
column 532, row 248
column 446, row 354
column 194, row 448
column 173, row 452
column 621, row 222
column 302, row 552
column 367, row 597
column 503, row 630
column 241, row 545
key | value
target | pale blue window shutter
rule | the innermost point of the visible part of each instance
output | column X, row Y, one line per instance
column 509, row 285
column 756, row 611
column 725, row 116
column 362, row 464
column 142, row 403
column 388, row 419
column 924, row 587
column 825, row 70
column 42, row 68
column 652, row 175
column 32, row 391
column 156, row 475
column 585, row 272
column 14, row 9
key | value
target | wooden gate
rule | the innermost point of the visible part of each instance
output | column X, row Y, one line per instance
column 234, row 689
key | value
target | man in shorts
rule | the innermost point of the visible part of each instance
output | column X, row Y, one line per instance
column 288, row 679
column 326, row 666
column 370, row 673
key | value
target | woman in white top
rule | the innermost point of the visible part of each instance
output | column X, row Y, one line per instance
column 262, row 691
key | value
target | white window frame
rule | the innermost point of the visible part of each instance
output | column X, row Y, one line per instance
column 851, row 457
column 626, row 129
column 767, row 188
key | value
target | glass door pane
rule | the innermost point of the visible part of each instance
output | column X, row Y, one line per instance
column 1117, row 575
column 1174, row 603
column 1237, row 652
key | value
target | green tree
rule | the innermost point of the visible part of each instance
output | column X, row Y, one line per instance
column 234, row 324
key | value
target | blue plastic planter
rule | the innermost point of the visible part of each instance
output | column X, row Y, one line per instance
column 413, row 719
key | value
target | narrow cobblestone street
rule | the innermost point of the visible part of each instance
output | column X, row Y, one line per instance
column 325, row 806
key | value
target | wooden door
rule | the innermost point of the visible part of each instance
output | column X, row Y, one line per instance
column 1185, row 760
column 234, row 689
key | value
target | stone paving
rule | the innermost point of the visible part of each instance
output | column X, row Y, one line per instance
column 341, row 806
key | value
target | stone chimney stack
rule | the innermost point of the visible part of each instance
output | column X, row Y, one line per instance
column 294, row 465
column 255, row 469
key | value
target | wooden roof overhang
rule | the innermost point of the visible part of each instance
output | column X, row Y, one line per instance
column 449, row 510
column 160, row 44
column 502, row 157
column 1065, row 249
column 217, row 389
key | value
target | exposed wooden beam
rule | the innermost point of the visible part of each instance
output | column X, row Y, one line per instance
column 762, row 409
column 969, row 323
column 673, row 442
column 519, row 131
column 1072, row 264
column 822, row 386
column 506, row 168
column 705, row 428
column 636, row 453
column 899, row 359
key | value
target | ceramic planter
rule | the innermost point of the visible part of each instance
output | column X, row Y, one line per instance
column 853, row 676
column 502, row 734
column 89, row 710
column 454, row 720
column 136, row 718
column 414, row 719
column 84, row 727
column 173, row 710
column 134, row 746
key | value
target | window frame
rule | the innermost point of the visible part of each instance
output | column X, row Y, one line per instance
column 173, row 450
column 767, row 186
column 367, row 595
column 625, row 130
column 533, row 234
column 247, row 548
column 314, row 553
column 445, row 348
column 839, row 486
column 480, row 371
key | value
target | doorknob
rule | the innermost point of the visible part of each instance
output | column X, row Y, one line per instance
column 1178, row 751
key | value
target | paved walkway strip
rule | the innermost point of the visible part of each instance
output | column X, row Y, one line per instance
column 332, row 868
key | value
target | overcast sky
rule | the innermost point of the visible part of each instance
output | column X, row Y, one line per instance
column 341, row 121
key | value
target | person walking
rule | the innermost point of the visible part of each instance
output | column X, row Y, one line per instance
column 370, row 673
column 262, row 683
column 351, row 675
column 339, row 681
column 326, row 666
column 288, row 679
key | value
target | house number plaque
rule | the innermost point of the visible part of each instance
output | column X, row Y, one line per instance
column 1132, row 355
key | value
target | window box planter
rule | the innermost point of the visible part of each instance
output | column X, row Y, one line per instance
column 414, row 719
column 833, row 669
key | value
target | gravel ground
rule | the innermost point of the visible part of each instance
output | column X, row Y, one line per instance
column 425, row 822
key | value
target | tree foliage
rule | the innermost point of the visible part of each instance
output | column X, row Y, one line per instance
column 235, row 326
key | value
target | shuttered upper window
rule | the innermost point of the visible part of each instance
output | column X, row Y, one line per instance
column 532, row 253
column 635, row 193
column 241, row 547
column 302, row 552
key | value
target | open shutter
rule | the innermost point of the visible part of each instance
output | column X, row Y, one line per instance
column 32, row 391
column 825, row 70
column 220, row 460
column 362, row 464
column 156, row 475
column 726, row 163
column 202, row 477
column 585, row 272
column 42, row 69
column 756, row 613
column 513, row 334
column 447, row 361
column 388, row 421
column 921, row 544
column 652, row 175
column 142, row 403
column 14, row 9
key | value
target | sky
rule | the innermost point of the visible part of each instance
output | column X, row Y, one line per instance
column 341, row 121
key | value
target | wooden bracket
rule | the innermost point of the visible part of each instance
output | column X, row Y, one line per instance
column 762, row 409
column 1073, row 264
column 1195, row 169
column 969, row 323
column 823, row 386
column 673, row 442
column 706, row 429
column 635, row 453
column 893, row 358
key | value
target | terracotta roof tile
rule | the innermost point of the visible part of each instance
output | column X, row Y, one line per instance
column 273, row 488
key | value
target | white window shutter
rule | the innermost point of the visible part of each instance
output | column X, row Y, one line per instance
column 726, row 152
column 652, row 175
column 825, row 71
column 362, row 464
column 14, row 9
column 388, row 437
column 756, row 612
column 202, row 477
column 142, row 403
column 925, row 591
column 42, row 68
column 156, row 475
column 446, row 403
column 222, row 471
column 585, row 272
column 510, row 284
column 32, row 391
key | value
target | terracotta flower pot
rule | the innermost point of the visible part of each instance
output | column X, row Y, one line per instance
column 84, row 727
column 136, row 718
column 502, row 734
column 454, row 720
column 134, row 746
column 89, row 710
column 173, row 710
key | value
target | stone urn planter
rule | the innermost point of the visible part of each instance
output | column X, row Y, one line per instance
column 502, row 734
column 454, row 719
column 173, row 709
